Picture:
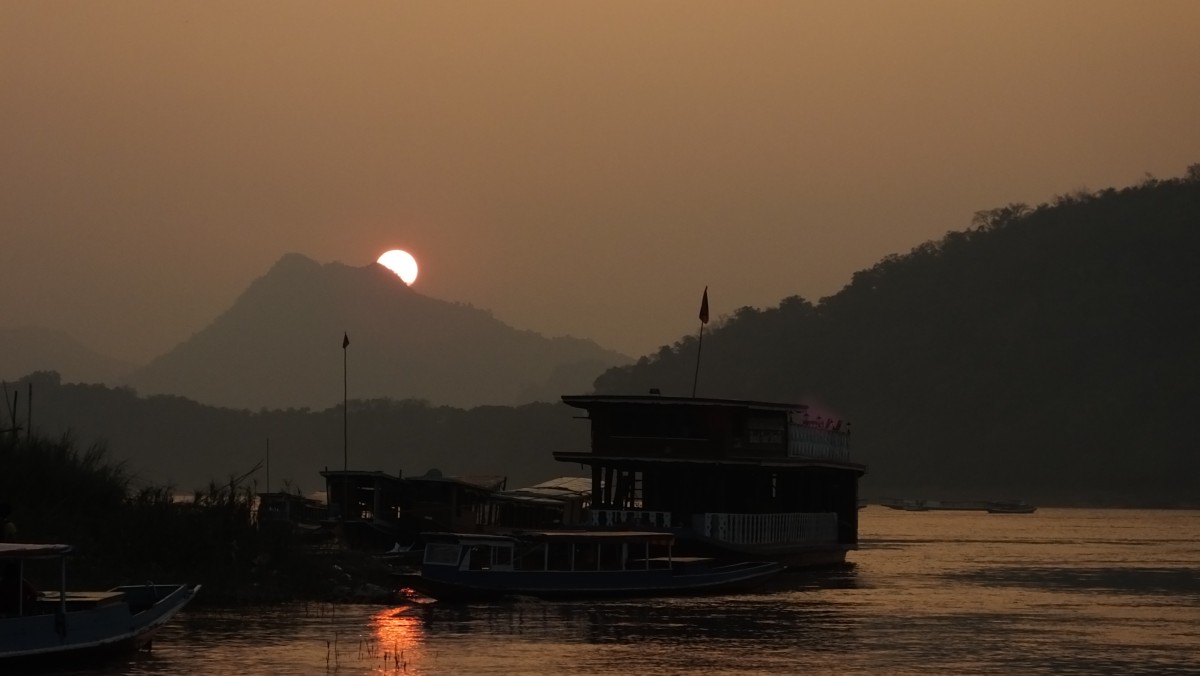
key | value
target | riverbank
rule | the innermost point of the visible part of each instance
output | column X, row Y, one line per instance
column 324, row 574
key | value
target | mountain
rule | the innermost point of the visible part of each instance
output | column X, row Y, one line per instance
column 1048, row 353
column 280, row 346
column 29, row 349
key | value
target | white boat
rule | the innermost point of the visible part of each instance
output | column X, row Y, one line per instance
column 48, row 627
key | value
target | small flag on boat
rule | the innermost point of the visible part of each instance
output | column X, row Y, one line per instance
column 345, row 340
column 704, row 307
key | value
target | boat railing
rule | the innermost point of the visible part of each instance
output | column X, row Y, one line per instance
column 630, row 517
column 806, row 441
column 767, row 529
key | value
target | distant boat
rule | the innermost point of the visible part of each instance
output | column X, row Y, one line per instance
column 993, row 506
column 41, row 629
column 1010, row 508
column 572, row 564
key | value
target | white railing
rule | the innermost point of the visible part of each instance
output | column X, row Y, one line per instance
column 768, row 529
column 630, row 517
column 805, row 441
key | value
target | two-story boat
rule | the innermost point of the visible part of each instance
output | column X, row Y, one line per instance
column 743, row 479
column 572, row 564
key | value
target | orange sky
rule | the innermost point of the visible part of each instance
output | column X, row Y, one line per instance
column 579, row 168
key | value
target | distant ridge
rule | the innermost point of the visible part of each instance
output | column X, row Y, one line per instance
column 28, row 349
column 279, row 346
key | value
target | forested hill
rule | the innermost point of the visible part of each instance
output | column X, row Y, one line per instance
column 1048, row 353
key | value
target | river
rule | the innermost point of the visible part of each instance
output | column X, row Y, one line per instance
column 1062, row 591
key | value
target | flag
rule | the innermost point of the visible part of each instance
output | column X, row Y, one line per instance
column 345, row 340
column 704, row 307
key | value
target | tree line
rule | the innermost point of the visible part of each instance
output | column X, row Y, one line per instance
column 1044, row 352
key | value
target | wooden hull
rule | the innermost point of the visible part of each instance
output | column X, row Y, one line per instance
column 94, row 627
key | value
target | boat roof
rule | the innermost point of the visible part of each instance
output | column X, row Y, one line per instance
column 581, row 485
column 799, row 462
column 593, row 400
column 19, row 550
column 554, row 491
column 598, row 536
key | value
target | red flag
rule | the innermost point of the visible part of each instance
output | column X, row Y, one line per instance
column 704, row 307
column 345, row 340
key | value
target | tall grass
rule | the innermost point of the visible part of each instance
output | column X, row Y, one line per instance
column 84, row 498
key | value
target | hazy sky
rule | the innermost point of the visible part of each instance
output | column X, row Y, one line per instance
column 579, row 168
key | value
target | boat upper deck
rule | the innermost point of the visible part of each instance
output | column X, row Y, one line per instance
column 661, row 429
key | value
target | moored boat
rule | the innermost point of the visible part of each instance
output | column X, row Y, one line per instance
column 731, row 478
column 572, row 564
column 38, row 629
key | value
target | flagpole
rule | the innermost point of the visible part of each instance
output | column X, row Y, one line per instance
column 345, row 402
column 345, row 429
column 700, row 345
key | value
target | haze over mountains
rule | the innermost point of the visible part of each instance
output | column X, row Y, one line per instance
column 29, row 349
column 280, row 346
column 1047, row 353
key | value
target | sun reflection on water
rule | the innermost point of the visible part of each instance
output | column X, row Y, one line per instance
column 399, row 638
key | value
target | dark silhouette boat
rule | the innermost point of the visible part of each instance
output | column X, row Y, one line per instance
column 729, row 478
column 1011, row 508
column 572, row 564
column 40, row 629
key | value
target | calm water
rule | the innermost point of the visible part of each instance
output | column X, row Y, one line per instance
column 1060, row 591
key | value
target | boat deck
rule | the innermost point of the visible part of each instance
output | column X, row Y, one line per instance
column 79, row 600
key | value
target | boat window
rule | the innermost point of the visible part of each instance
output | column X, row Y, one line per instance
column 559, row 557
column 481, row 557
column 638, row 552
column 659, row 556
column 585, row 556
column 663, row 422
column 441, row 554
column 503, row 557
column 531, row 557
column 610, row 556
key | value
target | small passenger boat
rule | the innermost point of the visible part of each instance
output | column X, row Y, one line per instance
column 572, row 564
column 48, row 627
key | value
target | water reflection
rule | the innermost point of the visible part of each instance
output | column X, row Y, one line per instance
column 1065, row 592
column 1123, row 580
column 399, row 637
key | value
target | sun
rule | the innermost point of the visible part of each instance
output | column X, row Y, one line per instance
column 402, row 263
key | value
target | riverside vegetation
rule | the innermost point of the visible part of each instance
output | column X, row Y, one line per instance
column 124, row 534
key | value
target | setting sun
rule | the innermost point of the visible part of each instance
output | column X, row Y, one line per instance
column 402, row 263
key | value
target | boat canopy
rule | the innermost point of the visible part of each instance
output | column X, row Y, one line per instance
column 17, row 550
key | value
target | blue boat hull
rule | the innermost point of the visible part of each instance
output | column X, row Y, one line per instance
column 449, row 584
column 90, row 634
